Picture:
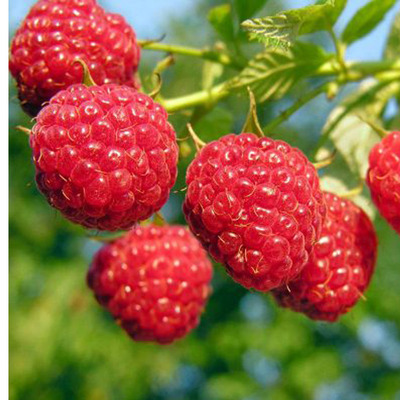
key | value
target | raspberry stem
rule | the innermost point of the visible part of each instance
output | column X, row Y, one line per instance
column 205, row 54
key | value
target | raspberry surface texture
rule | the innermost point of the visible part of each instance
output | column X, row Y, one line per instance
column 256, row 205
column 105, row 156
column 57, row 33
column 383, row 178
column 340, row 267
column 154, row 281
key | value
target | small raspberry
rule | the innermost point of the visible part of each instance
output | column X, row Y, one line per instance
column 154, row 281
column 256, row 205
column 105, row 156
column 55, row 34
column 383, row 178
column 340, row 267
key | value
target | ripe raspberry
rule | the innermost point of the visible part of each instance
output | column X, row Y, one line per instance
column 55, row 34
column 154, row 281
column 256, row 205
column 383, row 178
column 340, row 267
column 105, row 156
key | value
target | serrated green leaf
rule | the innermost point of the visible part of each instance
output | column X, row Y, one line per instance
column 221, row 19
column 246, row 9
column 272, row 73
column 392, row 49
column 366, row 19
column 282, row 29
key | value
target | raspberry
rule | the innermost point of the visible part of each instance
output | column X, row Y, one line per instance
column 105, row 156
column 256, row 205
column 383, row 178
column 340, row 267
column 154, row 281
column 55, row 34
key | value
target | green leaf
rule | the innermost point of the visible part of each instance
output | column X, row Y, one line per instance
column 283, row 28
column 252, row 124
column 392, row 49
column 246, row 9
column 353, row 139
column 272, row 73
column 366, row 19
column 221, row 19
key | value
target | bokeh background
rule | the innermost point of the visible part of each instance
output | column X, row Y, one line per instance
column 64, row 347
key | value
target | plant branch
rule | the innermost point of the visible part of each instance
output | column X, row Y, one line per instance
column 356, row 71
column 195, row 99
column 205, row 54
column 286, row 114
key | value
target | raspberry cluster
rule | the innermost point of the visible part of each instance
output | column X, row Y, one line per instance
column 383, row 178
column 57, row 33
column 256, row 205
column 105, row 156
column 340, row 266
column 154, row 281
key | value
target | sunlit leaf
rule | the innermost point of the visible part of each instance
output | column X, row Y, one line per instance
column 272, row 73
column 282, row 29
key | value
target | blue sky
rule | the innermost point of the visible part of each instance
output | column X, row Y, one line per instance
column 158, row 13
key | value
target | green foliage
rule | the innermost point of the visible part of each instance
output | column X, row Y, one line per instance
column 272, row 73
column 392, row 49
column 366, row 19
column 282, row 29
column 246, row 9
column 221, row 19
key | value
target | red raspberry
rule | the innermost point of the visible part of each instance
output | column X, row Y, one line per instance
column 340, row 267
column 55, row 34
column 154, row 281
column 105, row 156
column 383, row 178
column 256, row 205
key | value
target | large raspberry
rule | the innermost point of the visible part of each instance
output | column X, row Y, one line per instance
column 154, row 281
column 105, row 156
column 383, row 178
column 340, row 267
column 256, row 205
column 55, row 34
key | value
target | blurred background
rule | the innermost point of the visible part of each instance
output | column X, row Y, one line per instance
column 63, row 346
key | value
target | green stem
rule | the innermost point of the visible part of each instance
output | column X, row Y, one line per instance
column 284, row 115
column 205, row 54
column 356, row 71
column 195, row 99
column 340, row 48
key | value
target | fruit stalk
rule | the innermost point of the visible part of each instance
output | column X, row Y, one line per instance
column 205, row 54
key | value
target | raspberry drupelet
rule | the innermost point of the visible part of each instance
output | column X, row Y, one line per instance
column 57, row 33
column 256, row 205
column 383, row 178
column 105, row 156
column 340, row 267
column 155, row 281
